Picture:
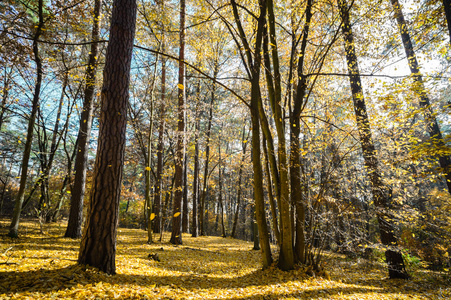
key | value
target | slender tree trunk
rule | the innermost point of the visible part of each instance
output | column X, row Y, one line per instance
column 240, row 175
column 286, row 257
column 275, row 223
column 431, row 122
column 98, row 243
column 195, row 224
column 253, row 63
column 14, row 227
column 185, row 210
column 176, row 236
column 67, row 178
column 221, row 202
column 160, row 150
column 447, row 7
column 295, row 146
column 45, row 198
column 5, row 95
column 74, row 223
column 207, row 156
column 149, row 160
column 393, row 256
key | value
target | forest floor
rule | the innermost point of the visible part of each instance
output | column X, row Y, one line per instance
column 43, row 266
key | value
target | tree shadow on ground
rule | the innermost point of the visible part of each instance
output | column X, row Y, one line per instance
column 44, row 280
column 194, row 268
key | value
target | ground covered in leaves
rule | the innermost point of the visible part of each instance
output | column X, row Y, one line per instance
column 43, row 266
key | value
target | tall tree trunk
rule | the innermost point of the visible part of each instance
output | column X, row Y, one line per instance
column 221, row 201
column 45, row 198
column 253, row 63
column 286, row 257
column 393, row 256
column 66, row 181
column 149, row 159
column 207, row 154
column 98, row 243
column 295, row 131
column 194, row 227
column 14, row 227
column 185, row 211
column 160, row 149
column 447, row 7
column 275, row 223
column 176, row 235
column 74, row 223
column 431, row 122
column 5, row 95
column 240, row 175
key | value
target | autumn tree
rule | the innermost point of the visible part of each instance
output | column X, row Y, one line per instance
column 84, row 131
column 98, row 244
column 379, row 191
column 39, row 27
column 176, row 235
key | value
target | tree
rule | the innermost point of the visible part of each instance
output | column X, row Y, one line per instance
column 380, row 193
column 74, row 222
column 447, row 7
column 253, row 61
column 176, row 235
column 98, row 244
column 13, row 230
column 418, row 86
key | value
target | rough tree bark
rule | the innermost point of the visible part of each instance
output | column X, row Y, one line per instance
column 98, row 243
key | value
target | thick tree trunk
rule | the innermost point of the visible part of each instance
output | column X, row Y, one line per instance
column 14, row 227
column 393, row 256
column 431, row 122
column 74, row 223
column 98, row 244
column 176, row 235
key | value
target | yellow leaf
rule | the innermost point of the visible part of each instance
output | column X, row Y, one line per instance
column 152, row 216
column 148, row 168
column 180, row 86
column 176, row 214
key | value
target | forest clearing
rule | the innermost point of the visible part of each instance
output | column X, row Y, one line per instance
column 42, row 266
column 320, row 130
